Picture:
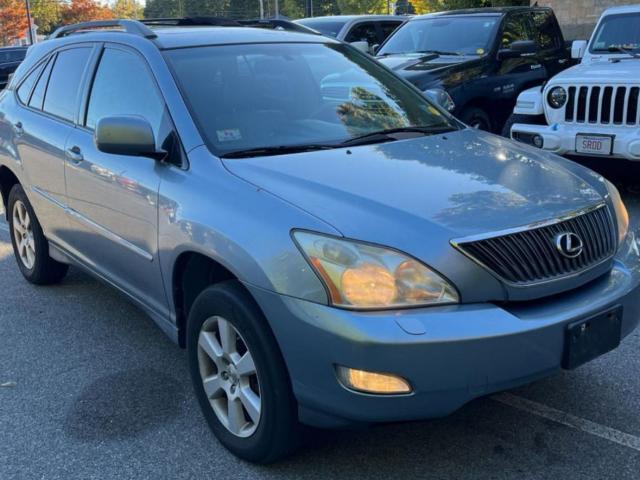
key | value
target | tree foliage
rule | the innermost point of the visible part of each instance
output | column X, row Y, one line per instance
column 13, row 20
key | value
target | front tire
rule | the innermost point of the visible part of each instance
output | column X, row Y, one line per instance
column 239, row 375
column 476, row 118
column 30, row 246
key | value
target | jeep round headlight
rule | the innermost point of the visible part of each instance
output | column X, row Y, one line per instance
column 557, row 97
column 362, row 276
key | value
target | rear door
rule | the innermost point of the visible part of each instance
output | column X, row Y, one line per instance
column 48, row 98
column 114, row 198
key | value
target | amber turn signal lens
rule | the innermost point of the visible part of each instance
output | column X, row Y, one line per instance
column 371, row 382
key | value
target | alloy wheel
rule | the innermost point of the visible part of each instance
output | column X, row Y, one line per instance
column 23, row 235
column 229, row 376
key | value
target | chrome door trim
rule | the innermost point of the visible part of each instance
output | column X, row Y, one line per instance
column 105, row 232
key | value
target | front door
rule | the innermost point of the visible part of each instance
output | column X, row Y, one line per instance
column 114, row 198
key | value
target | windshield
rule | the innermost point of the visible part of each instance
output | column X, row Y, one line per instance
column 289, row 94
column 330, row 28
column 455, row 34
column 617, row 32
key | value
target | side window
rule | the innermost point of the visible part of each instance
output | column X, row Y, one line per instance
column 545, row 30
column 24, row 90
column 61, row 98
column 387, row 28
column 515, row 29
column 37, row 97
column 124, row 86
column 363, row 32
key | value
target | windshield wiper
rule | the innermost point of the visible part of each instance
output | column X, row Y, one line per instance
column 623, row 50
column 389, row 135
column 276, row 150
column 440, row 52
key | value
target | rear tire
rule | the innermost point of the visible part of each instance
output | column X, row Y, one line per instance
column 30, row 246
column 254, row 415
column 476, row 118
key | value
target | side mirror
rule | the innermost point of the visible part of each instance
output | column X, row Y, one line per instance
column 363, row 46
column 578, row 47
column 374, row 48
column 127, row 135
column 520, row 48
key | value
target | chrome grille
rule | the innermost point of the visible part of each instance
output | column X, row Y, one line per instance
column 530, row 256
column 604, row 105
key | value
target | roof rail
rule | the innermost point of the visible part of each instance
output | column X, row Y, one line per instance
column 276, row 23
column 130, row 26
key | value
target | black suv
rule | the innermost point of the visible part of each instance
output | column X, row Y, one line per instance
column 10, row 59
column 475, row 62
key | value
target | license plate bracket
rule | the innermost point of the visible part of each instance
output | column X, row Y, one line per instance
column 589, row 338
column 594, row 144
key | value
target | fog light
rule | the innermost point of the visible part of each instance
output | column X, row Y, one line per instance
column 371, row 382
column 538, row 141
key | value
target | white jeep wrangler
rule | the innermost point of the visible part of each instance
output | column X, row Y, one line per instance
column 591, row 108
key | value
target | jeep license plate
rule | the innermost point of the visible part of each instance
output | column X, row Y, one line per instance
column 594, row 144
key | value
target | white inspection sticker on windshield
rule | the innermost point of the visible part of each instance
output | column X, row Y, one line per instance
column 229, row 135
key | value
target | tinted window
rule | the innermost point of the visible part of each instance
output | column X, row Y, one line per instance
column 37, row 97
column 546, row 32
column 61, row 98
column 515, row 29
column 124, row 86
column 443, row 34
column 265, row 95
column 27, row 85
column 387, row 29
column 363, row 32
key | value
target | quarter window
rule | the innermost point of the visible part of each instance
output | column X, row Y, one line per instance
column 124, row 86
column 62, row 96
column 37, row 97
column 27, row 85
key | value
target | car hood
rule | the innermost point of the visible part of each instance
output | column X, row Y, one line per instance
column 454, row 185
column 600, row 72
column 422, row 68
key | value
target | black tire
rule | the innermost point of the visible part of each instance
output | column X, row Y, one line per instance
column 45, row 270
column 277, row 432
column 518, row 118
column 476, row 118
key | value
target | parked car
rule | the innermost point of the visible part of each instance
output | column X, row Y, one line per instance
column 322, row 261
column 362, row 31
column 590, row 109
column 10, row 58
column 475, row 62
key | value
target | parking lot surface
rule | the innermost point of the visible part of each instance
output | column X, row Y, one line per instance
column 90, row 388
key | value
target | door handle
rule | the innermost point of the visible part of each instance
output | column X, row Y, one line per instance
column 75, row 155
column 19, row 130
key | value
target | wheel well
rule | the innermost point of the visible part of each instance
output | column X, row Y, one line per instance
column 193, row 272
column 494, row 110
column 7, row 181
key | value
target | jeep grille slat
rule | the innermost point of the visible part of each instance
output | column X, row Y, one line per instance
column 529, row 257
column 605, row 105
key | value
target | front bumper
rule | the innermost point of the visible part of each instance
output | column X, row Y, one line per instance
column 561, row 139
column 450, row 355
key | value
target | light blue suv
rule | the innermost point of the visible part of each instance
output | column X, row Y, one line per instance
column 325, row 257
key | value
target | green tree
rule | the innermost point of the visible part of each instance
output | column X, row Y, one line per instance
column 46, row 14
column 127, row 9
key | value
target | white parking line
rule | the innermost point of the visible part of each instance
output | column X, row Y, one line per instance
column 558, row 416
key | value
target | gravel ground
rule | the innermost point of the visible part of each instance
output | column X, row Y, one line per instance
column 90, row 388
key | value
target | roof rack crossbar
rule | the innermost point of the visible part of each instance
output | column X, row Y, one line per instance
column 130, row 26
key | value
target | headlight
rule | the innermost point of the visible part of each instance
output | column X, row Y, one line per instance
column 622, row 215
column 442, row 98
column 557, row 97
column 362, row 276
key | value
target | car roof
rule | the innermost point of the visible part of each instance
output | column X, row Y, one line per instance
column 622, row 9
column 348, row 18
column 487, row 11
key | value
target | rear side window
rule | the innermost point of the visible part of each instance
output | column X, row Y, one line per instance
column 37, row 97
column 24, row 91
column 545, row 30
column 515, row 29
column 363, row 32
column 124, row 86
column 61, row 98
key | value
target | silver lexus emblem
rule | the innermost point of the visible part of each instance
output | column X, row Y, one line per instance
column 569, row 245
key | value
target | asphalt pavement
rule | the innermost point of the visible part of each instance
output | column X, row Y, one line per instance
column 90, row 388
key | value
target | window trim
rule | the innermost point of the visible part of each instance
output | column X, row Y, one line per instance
column 43, row 62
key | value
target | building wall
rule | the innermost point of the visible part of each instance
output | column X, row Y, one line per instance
column 578, row 17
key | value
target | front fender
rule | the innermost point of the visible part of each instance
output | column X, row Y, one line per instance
column 530, row 102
